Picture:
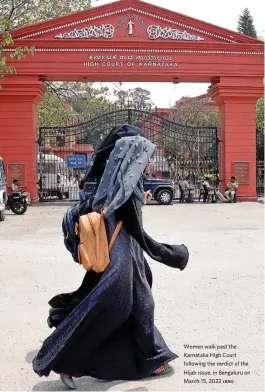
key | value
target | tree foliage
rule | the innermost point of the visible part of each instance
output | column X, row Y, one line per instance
column 195, row 112
column 6, row 41
column 65, row 102
column 70, row 102
column 186, row 150
column 260, row 114
column 20, row 13
column 245, row 24
column 139, row 97
column 194, row 143
column 54, row 110
column 90, row 102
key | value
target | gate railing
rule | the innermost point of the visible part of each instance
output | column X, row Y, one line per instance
column 181, row 150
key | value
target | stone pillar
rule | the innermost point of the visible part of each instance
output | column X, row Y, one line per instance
column 236, row 98
column 18, row 124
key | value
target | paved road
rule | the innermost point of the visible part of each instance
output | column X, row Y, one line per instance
column 218, row 299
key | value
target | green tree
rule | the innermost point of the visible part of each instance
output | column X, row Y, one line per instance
column 6, row 41
column 138, row 97
column 260, row 114
column 122, row 95
column 69, row 102
column 54, row 111
column 195, row 112
column 141, row 98
column 20, row 13
column 93, row 104
column 183, row 151
column 65, row 102
column 245, row 24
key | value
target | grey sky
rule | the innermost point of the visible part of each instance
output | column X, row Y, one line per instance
column 222, row 13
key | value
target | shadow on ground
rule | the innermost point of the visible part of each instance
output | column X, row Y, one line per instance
column 91, row 384
column 84, row 384
column 30, row 355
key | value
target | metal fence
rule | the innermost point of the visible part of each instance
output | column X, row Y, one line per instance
column 181, row 151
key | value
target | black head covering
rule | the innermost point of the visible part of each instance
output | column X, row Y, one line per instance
column 105, row 147
column 175, row 256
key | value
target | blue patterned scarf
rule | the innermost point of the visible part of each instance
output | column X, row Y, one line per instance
column 123, row 174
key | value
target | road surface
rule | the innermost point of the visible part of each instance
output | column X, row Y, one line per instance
column 217, row 299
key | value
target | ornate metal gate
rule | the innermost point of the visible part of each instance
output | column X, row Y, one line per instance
column 181, row 151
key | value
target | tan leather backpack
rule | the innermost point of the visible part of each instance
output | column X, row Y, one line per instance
column 93, row 249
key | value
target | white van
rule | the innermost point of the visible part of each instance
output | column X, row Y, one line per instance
column 53, row 176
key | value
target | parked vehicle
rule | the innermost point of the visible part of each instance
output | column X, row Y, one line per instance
column 17, row 202
column 3, row 192
column 52, row 176
column 161, row 189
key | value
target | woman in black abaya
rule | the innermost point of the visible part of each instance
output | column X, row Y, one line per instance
column 106, row 328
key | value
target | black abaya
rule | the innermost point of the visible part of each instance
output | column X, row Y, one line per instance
column 106, row 328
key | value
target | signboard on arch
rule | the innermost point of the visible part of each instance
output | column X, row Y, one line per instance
column 16, row 171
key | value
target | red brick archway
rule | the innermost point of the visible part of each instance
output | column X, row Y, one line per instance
column 130, row 40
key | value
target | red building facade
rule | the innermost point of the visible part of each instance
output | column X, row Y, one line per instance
column 130, row 40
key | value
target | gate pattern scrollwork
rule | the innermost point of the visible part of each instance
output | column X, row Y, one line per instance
column 181, row 150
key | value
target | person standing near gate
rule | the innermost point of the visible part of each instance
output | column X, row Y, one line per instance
column 184, row 189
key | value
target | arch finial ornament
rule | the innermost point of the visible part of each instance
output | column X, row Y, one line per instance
column 130, row 26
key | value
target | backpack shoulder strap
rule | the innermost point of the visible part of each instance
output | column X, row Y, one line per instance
column 115, row 234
